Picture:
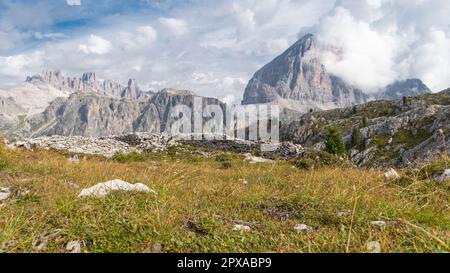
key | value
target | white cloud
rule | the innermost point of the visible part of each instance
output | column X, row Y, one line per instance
column 141, row 38
column 73, row 2
column 96, row 45
column 229, row 99
column 431, row 60
column 375, row 42
column 175, row 26
column 358, row 53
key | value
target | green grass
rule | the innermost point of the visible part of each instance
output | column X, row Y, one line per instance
column 198, row 202
column 409, row 139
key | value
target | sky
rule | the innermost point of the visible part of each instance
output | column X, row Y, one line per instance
column 214, row 47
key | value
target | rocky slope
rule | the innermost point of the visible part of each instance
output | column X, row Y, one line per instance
column 298, row 80
column 393, row 132
column 93, row 115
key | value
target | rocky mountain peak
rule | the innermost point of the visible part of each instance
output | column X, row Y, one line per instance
column 406, row 88
column 89, row 78
column 298, row 76
column 298, row 80
column 89, row 82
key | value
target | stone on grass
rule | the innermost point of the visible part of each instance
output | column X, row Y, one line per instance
column 243, row 181
column 254, row 159
column 73, row 247
column 241, row 228
column 103, row 189
column 41, row 243
column 374, row 247
column 302, row 228
column 391, row 175
column 378, row 223
column 441, row 179
column 5, row 193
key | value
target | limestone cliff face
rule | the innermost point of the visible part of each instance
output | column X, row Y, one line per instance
column 92, row 115
column 89, row 83
column 299, row 75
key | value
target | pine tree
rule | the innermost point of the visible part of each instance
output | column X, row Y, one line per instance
column 334, row 142
column 355, row 141
column 405, row 100
column 365, row 122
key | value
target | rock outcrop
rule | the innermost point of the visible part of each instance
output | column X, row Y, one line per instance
column 391, row 133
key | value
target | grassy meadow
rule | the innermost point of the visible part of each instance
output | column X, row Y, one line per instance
column 200, row 199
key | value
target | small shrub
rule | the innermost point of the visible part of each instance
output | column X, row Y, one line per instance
column 355, row 141
column 365, row 122
column 305, row 164
column 405, row 100
column 3, row 163
column 334, row 142
column 224, row 160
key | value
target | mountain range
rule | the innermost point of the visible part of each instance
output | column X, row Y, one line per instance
column 53, row 104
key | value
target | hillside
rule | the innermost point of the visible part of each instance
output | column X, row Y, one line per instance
column 396, row 132
column 212, row 201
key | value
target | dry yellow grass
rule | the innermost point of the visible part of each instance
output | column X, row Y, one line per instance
column 199, row 201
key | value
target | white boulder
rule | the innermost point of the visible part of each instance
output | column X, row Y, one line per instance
column 254, row 159
column 378, row 223
column 374, row 247
column 73, row 247
column 103, row 189
column 302, row 228
column 443, row 177
column 391, row 175
column 241, row 228
column 5, row 193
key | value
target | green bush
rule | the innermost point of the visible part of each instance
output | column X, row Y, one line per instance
column 224, row 160
column 365, row 122
column 334, row 142
column 307, row 164
column 355, row 141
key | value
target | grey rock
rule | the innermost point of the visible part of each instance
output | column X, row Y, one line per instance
column 378, row 223
column 103, row 189
column 41, row 243
column 242, row 228
column 391, row 175
column 302, row 228
column 5, row 194
column 373, row 247
column 74, row 247
column 444, row 177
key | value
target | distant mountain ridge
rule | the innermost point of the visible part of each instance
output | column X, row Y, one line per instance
column 298, row 79
column 89, row 83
